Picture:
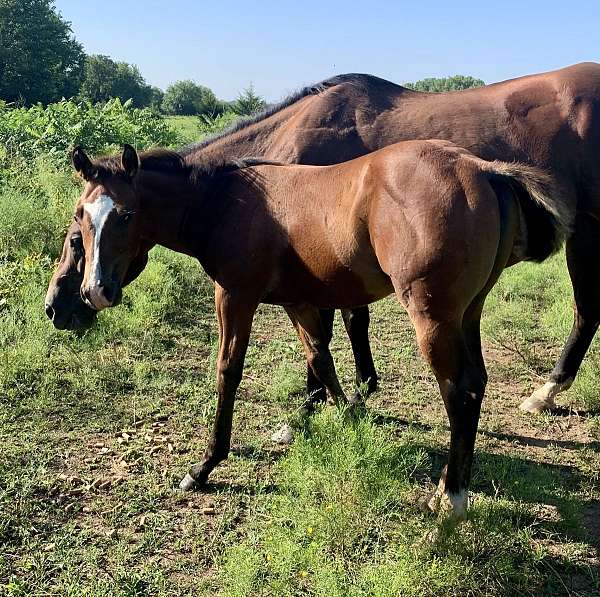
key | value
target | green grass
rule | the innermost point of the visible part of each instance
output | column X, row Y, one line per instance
column 186, row 126
column 96, row 430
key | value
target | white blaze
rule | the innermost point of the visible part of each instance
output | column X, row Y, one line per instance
column 98, row 211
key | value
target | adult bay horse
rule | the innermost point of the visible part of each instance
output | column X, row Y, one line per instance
column 425, row 220
column 550, row 120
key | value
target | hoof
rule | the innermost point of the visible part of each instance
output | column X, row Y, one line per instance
column 542, row 400
column 188, row 483
column 536, row 405
column 283, row 436
column 451, row 506
column 539, row 402
column 357, row 403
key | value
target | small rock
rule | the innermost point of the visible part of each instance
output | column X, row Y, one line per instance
column 49, row 546
column 209, row 511
column 285, row 435
column 170, row 447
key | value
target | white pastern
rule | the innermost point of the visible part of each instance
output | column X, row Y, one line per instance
column 543, row 398
column 455, row 504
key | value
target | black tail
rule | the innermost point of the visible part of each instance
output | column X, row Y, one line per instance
column 548, row 218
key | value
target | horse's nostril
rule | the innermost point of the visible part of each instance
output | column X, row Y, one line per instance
column 49, row 312
column 109, row 293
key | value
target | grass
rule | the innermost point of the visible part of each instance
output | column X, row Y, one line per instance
column 186, row 126
column 97, row 429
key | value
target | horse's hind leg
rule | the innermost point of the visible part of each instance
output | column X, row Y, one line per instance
column 585, row 277
column 357, row 327
column 315, row 340
column 315, row 389
column 356, row 322
column 462, row 379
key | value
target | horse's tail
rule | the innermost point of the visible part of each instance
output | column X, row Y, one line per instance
column 547, row 216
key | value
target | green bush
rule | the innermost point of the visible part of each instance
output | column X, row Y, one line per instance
column 27, row 133
column 212, row 125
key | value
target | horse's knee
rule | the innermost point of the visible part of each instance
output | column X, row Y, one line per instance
column 228, row 376
column 320, row 362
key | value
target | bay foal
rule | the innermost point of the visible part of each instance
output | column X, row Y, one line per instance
column 425, row 220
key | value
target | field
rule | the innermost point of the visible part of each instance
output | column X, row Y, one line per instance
column 186, row 126
column 97, row 429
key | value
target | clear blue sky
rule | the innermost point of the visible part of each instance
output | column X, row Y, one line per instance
column 281, row 45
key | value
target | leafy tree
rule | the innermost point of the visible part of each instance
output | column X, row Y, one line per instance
column 155, row 98
column 456, row 83
column 248, row 102
column 105, row 79
column 187, row 98
column 40, row 60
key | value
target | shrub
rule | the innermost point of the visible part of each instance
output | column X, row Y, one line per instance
column 26, row 133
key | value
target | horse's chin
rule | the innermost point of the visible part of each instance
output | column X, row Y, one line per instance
column 79, row 321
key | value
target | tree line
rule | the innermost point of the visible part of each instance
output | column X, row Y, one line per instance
column 41, row 61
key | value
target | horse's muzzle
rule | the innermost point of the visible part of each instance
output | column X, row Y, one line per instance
column 100, row 296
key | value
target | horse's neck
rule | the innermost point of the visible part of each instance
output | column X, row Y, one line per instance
column 166, row 200
column 255, row 140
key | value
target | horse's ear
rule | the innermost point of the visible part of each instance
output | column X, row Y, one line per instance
column 82, row 164
column 130, row 161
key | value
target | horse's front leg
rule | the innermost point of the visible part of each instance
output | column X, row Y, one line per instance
column 584, row 269
column 234, row 314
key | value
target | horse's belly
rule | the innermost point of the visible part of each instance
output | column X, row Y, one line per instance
column 328, row 287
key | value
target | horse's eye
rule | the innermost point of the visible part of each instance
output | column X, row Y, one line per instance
column 125, row 216
column 76, row 242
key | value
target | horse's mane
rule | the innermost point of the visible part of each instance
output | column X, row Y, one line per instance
column 357, row 79
column 165, row 161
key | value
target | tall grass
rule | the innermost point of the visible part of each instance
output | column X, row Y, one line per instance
column 345, row 521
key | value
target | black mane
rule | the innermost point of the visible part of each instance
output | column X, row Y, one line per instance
column 165, row 161
column 351, row 78
column 179, row 161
